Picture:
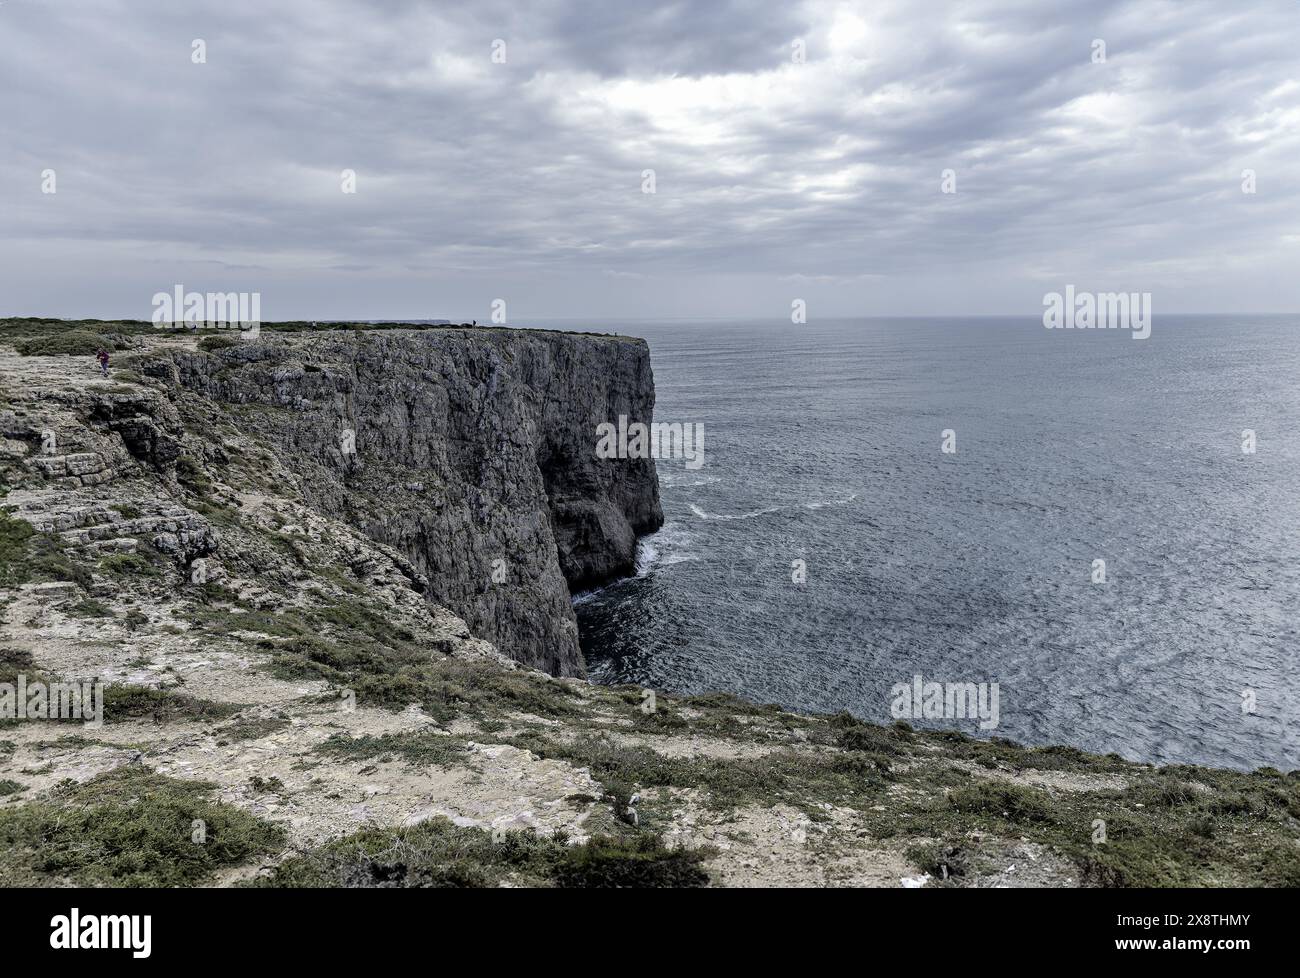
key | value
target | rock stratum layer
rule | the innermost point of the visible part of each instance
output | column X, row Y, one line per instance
column 472, row 452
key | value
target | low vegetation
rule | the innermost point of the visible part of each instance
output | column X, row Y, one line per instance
column 129, row 827
column 429, row 748
column 355, row 648
column 73, row 343
column 249, row 728
column 1161, row 831
column 210, row 344
column 126, row 702
column 65, row 337
column 27, row 555
column 436, row 853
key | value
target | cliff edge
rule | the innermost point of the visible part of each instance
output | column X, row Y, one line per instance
column 305, row 575
column 471, row 452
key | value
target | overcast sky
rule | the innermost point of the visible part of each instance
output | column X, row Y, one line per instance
column 775, row 179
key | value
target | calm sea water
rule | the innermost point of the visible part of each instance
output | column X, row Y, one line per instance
column 823, row 445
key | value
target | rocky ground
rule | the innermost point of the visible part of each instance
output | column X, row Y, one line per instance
column 285, row 706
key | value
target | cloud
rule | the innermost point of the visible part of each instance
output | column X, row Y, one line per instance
column 523, row 179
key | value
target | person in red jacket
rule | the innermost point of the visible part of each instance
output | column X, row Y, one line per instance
column 102, row 357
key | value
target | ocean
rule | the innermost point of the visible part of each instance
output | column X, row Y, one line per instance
column 823, row 445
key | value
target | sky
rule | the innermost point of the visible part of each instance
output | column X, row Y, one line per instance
column 500, row 150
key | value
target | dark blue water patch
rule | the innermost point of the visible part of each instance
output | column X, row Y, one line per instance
column 823, row 445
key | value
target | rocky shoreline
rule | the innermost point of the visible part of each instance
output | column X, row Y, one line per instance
column 324, row 578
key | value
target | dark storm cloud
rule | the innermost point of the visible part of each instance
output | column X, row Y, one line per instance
column 523, row 179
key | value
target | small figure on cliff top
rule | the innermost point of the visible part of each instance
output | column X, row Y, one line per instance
column 102, row 357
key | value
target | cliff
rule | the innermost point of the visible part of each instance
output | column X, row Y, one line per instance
column 303, row 647
column 469, row 451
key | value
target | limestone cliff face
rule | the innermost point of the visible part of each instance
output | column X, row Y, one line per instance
column 470, row 451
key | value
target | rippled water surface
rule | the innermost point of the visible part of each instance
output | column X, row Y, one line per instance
column 823, row 445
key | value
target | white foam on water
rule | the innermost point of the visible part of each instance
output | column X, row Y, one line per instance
column 663, row 548
column 832, row 502
column 686, row 480
column 733, row 516
column 647, row 555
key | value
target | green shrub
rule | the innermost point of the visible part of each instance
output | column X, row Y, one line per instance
column 210, row 344
column 853, row 734
column 128, row 565
column 127, row 702
column 74, row 342
column 1008, row 801
column 128, row 827
column 88, row 608
column 26, row 555
column 640, row 862
column 436, row 853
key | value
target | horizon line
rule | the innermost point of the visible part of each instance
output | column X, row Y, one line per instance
column 635, row 319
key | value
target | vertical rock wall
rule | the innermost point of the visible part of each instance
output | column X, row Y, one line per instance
column 474, row 454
